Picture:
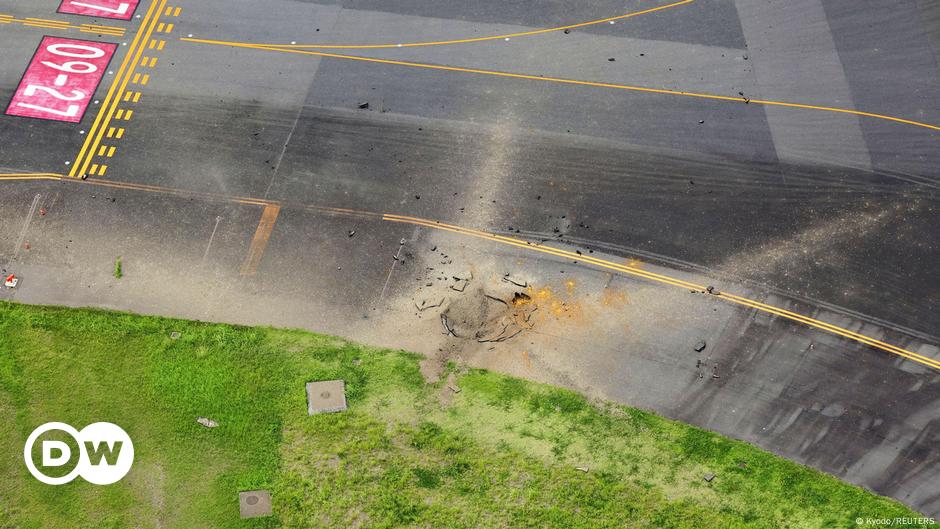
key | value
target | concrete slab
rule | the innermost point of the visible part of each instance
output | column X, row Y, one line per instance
column 254, row 503
column 326, row 396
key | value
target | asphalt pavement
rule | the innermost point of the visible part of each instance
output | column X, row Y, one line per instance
column 787, row 153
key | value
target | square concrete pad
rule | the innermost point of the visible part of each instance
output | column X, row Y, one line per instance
column 326, row 396
column 254, row 503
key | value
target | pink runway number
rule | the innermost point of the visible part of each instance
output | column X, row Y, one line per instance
column 121, row 10
column 61, row 79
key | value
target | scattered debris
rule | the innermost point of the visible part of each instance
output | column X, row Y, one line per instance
column 175, row 335
column 351, row 233
column 502, row 336
column 363, row 105
column 425, row 305
column 709, row 477
column 494, row 298
column 453, row 388
column 254, row 503
column 447, row 328
column 520, row 298
column 699, row 347
column 701, row 121
column 460, row 285
column 567, row 31
column 611, row 59
column 518, row 282
column 207, row 422
column 11, row 281
column 326, row 396
column 715, row 372
column 582, row 469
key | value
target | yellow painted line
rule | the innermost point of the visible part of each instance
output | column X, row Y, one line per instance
column 62, row 25
column 561, row 80
column 119, row 114
column 111, row 151
column 44, row 26
column 111, row 132
column 177, row 11
column 160, row 44
column 120, row 133
column 31, row 176
column 107, row 28
column 260, row 240
column 136, row 97
column 482, row 39
column 160, row 27
column 114, row 92
column 102, row 169
column 136, row 78
column 169, row 28
column 94, row 169
column 102, row 150
column 145, row 79
column 49, row 22
column 763, row 307
column 153, row 62
column 128, row 114
column 102, row 32
column 144, row 60
column 169, row 11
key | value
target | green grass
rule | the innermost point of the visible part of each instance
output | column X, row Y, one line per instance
column 503, row 453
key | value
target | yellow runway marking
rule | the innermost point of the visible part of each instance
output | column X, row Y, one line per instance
column 260, row 240
column 562, row 80
column 63, row 25
column 272, row 209
column 31, row 176
column 479, row 39
column 763, row 307
column 115, row 92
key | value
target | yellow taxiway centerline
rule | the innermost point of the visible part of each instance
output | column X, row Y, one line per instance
column 561, row 80
column 479, row 39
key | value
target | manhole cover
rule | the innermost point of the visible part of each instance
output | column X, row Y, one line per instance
column 254, row 503
column 326, row 396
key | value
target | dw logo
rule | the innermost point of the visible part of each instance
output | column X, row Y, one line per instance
column 105, row 454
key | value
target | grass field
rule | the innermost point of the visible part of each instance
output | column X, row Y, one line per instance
column 500, row 453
